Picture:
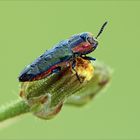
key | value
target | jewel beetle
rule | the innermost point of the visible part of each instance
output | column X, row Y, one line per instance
column 61, row 55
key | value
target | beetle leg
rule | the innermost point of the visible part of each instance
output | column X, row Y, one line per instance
column 89, row 58
column 73, row 67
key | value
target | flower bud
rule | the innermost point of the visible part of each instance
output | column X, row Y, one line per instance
column 47, row 96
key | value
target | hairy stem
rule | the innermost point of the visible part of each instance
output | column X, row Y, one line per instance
column 13, row 109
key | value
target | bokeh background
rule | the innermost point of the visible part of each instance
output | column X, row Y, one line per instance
column 28, row 28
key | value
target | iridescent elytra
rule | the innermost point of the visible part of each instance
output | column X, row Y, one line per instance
column 61, row 55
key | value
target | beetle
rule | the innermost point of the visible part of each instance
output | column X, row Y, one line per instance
column 61, row 55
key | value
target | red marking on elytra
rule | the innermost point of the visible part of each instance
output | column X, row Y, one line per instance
column 84, row 46
column 44, row 74
column 49, row 71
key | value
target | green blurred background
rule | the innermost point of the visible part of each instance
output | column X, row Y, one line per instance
column 28, row 28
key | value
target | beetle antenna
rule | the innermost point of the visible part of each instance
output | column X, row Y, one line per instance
column 101, row 30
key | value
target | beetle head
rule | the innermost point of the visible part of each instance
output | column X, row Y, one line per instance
column 85, row 42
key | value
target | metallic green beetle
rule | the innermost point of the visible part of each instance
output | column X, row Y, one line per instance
column 61, row 55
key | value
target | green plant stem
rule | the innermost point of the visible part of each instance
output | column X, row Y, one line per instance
column 13, row 109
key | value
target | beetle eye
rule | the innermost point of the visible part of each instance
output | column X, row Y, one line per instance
column 90, row 40
column 83, row 38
